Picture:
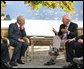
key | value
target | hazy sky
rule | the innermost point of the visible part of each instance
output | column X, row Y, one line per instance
column 39, row 22
column 16, row 8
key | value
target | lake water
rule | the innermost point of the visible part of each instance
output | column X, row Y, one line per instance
column 39, row 27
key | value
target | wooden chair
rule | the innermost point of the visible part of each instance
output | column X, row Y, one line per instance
column 4, row 36
column 80, row 31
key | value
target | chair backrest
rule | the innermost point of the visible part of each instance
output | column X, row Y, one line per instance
column 4, row 32
column 80, row 31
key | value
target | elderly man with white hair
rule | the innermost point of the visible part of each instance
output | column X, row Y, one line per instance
column 16, row 32
column 67, row 30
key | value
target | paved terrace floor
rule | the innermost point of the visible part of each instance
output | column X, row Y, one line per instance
column 40, row 57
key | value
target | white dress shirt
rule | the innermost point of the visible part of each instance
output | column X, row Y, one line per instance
column 19, row 26
column 65, row 35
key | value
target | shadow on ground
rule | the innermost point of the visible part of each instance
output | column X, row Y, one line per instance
column 40, row 57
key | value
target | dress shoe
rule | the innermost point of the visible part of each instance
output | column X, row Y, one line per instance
column 13, row 63
column 80, row 66
column 78, row 60
column 50, row 62
column 6, row 65
column 20, row 61
column 70, row 66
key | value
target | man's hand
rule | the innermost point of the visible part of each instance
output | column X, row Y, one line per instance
column 54, row 30
column 70, row 40
column 80, row 40
column 64, row 30
column 21, row 40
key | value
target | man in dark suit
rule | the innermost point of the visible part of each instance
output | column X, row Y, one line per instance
column 74, row 48
column 16, row 32
column 67, row 30
column 5, row 55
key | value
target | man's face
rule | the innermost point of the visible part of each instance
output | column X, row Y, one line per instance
column 21, row 21
column 65, row 21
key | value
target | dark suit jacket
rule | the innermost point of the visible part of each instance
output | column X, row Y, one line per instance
column 14, row 33
column 73, row 28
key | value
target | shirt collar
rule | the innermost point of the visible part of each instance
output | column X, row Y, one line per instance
column 68, row 24
column 18, row 25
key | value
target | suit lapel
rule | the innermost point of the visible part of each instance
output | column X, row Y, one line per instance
column 70, row 25
column 17, row 28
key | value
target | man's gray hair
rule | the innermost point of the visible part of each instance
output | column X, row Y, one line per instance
column 19, row 17
column 68, row 17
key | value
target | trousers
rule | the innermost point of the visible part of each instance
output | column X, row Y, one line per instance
column 19, row 51
column 57, row 43
column 4, row 53
column 73, row 49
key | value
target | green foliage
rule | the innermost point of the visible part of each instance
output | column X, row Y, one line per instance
column 65, row 5
column 3, row 4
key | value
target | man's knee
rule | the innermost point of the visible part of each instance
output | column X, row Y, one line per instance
column 18, row 45
column 69, row 44
column 66, row 44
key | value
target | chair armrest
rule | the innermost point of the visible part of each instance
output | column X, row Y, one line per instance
column 6, row 40
column 26, row 40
